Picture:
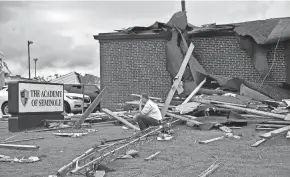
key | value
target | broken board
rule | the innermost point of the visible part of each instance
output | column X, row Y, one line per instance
column 90, row 109
column 177, row 80
column 275, row 132
column 256, row 144
column 110, row 113
column 184, row 118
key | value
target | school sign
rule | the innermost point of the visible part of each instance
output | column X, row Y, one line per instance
column 30, row 103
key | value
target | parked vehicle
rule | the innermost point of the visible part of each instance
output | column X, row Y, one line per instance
column 72, row 101
column 4, row 100
column 89, row 89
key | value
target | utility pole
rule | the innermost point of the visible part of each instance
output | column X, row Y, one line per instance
column 183, row 5
column 28, row 44
column 2, row 79
column 35, row 60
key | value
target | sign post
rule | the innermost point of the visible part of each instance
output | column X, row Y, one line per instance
column 30, row 103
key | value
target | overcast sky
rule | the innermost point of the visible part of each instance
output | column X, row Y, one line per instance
column 62, row 32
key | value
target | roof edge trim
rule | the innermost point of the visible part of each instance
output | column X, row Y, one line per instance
column 118, row 36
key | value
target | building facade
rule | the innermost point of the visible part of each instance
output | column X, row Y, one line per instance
column 136, row 63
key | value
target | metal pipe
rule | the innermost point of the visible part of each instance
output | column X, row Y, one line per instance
column 35, row 60
column 183, row 5
column 28, row 44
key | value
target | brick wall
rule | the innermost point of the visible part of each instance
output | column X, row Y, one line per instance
column 139, row 65
column 133, row 66
column 222, row 55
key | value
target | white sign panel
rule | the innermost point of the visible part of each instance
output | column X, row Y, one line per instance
column 40, row 98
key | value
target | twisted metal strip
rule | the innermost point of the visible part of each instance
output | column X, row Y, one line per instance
column 94, row 156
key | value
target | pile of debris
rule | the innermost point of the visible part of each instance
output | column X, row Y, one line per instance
column 216, row 108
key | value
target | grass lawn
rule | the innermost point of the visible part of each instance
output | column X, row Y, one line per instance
column 182, row 156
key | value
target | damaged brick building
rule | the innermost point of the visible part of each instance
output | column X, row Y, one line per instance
column 135, row 60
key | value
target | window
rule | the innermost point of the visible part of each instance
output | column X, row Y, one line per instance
column 91, row 88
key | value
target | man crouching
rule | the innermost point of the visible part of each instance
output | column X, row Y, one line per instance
column 150, row 115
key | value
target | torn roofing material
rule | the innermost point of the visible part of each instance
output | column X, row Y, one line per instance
column 266, row 31
column 260, row 32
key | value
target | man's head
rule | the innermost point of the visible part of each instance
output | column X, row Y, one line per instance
column 144, row 98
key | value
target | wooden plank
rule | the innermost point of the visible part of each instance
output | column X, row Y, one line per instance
column 263, row 129
column 90, row 109
column 184, row 118
column 211, row 91
column 59, row 121
column 47, row 129
column 187, row 107
column 177, row 80
column 278, row 122
column 107, row 111
column 194, row 92
column 259, row 142
column 255, row 116
column 193, row 63
column 11, row 137
column 270, row 125
column 275, row 132
column 29, row 139
column 152, row 156
column 210, row 167
column 225, row 103
column 253, row 111
column 211, row 140
column 209, row 170
column 189, row 117
column 17, row 146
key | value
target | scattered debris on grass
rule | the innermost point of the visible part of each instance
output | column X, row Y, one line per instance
column 209, row 170
column 16, row 141
column 152, row 156
column 17, row 146
column 19, row 160
column 74, row 135
column 164, row 137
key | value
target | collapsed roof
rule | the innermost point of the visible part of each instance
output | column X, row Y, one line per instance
column 262, row 31
column 253, row 35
